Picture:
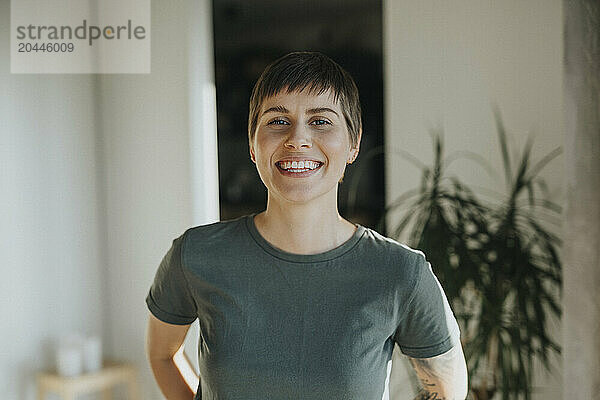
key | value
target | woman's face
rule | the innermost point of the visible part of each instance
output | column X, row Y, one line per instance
column 301, row 145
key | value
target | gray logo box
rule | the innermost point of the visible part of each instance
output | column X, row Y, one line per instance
column 75, row 36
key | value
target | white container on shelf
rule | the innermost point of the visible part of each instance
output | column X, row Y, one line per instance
column 92, row 354
column 69, row 357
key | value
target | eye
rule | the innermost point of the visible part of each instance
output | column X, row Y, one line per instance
column 320, row 122
column 277, row 121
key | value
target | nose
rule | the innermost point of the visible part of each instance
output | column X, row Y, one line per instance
column 298, row 138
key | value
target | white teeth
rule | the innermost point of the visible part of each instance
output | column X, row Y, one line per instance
column 299, row 166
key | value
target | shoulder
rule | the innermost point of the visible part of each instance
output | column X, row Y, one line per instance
column 401, row 257
column 214, row 238
column 215, row 230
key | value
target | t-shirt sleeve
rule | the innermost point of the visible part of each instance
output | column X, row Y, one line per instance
column 169, row 297
column 428, row 327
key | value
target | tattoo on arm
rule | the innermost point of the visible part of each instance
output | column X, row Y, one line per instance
column 441, row 376
column 424, row 395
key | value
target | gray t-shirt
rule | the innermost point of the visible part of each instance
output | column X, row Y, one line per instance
column 277, row 325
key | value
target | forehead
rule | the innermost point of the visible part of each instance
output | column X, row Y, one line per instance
column 301, row 99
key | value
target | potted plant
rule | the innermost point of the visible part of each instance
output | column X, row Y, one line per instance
column 498, row 263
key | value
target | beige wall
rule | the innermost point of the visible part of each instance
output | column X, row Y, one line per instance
column 445, row 63
column 581, row 277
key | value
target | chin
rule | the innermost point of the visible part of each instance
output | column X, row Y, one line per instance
column 300, row 195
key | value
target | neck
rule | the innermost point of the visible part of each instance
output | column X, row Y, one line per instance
column 304, row 228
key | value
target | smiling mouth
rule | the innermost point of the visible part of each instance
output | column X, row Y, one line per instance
column 298, row 167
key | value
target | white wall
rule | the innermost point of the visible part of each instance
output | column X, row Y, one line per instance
column 50, row 237
column 97, row 179
column 149, row 173
column 445, row 62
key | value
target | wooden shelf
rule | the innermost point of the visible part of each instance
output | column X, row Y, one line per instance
column 112, row 373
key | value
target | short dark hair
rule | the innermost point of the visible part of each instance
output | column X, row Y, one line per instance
column 313, row 71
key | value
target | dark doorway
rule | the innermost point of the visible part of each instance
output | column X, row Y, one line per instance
column 248, row 35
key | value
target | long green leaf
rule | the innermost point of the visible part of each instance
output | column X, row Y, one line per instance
column 503, row 145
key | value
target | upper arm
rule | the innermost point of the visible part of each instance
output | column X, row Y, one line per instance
column 171, row 304
column 170, row 297
column 443, row 376
column 163, row 340
column 428, row 327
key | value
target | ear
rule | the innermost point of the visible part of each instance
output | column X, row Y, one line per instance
column 353, row 155
column 358, row 140
column 252, row 156
column 355, row 150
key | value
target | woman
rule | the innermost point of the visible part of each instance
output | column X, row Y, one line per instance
column 296, row 302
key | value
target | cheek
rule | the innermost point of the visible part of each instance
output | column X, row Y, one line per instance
column 263, row 149
column 337, row 149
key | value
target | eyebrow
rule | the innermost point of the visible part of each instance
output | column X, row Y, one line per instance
column 321, row 109
column 280, row 109
column 284, row 110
